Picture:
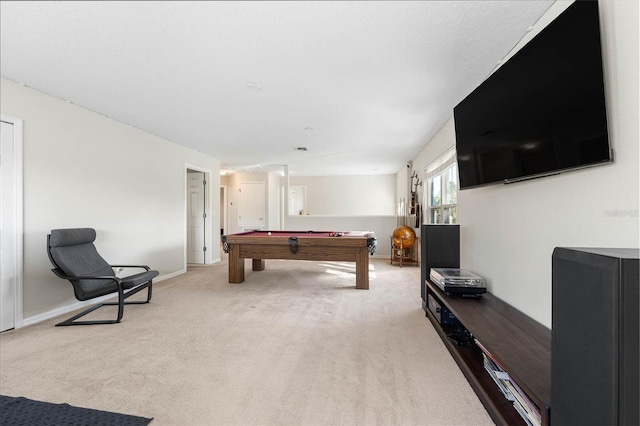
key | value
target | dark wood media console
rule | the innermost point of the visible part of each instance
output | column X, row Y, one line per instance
column 521, row 345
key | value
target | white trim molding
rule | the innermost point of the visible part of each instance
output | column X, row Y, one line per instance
column 208, row 241
column 18, row 232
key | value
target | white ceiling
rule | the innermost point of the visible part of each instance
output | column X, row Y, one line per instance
column 373, row 80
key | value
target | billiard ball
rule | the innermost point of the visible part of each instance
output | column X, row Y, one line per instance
column 268, row 233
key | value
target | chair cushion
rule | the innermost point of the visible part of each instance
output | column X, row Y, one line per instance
column 81, row 260
column 89, row 289
column 73, row 251
column 137, row 279
column 71, row 237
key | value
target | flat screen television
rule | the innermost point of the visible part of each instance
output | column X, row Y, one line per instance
column 542, row 112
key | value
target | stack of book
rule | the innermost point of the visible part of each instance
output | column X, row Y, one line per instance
column 521, row 402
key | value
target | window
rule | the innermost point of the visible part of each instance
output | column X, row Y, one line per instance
column 442, row 189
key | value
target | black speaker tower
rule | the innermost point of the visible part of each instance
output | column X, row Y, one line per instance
column 440, row 248
column 594, row 337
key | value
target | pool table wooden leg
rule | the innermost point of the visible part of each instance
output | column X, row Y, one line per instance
column 236, row 265
column 362, row 269
column 257, row 264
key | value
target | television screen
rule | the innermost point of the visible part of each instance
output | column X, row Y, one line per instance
column 542, row 112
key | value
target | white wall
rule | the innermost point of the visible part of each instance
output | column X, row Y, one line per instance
column 508, row 232
column 273, row 200
column 85, row 170
column 403, row 194
column 349, row 203
column 349, row 195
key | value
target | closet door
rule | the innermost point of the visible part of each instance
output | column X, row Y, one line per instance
column 251, row 205
column 196, row 217
column 7, row 229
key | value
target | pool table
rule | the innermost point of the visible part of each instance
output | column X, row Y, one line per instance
column 348, row 246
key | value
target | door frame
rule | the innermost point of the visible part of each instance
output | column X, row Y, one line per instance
column 208, row 241
column 202, row 217
column 18, row 229
column 224, row 209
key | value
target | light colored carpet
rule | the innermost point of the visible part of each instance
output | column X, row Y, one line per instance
column 295, row 344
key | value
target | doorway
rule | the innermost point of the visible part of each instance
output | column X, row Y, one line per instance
column 10, row 223
column 224, row 221
column 197, row 216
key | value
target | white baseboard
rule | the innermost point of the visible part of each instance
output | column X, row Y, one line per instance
column 171, row 275
column 79, row 305
column 63, row 310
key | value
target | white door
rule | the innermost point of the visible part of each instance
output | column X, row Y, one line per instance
column 223, row 210
column 196, row 217
column 7, row 249
column 251, row 205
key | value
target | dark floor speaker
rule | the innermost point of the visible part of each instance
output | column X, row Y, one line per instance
column 440, row 248
column 594, row 343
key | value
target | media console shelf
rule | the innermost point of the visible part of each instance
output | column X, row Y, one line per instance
column 521, row 346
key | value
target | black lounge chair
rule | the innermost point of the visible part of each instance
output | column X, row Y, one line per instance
column 76, row 259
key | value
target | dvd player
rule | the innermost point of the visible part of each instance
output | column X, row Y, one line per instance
column 458, row 282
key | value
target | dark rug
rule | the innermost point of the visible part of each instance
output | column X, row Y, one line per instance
column 23, row 411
